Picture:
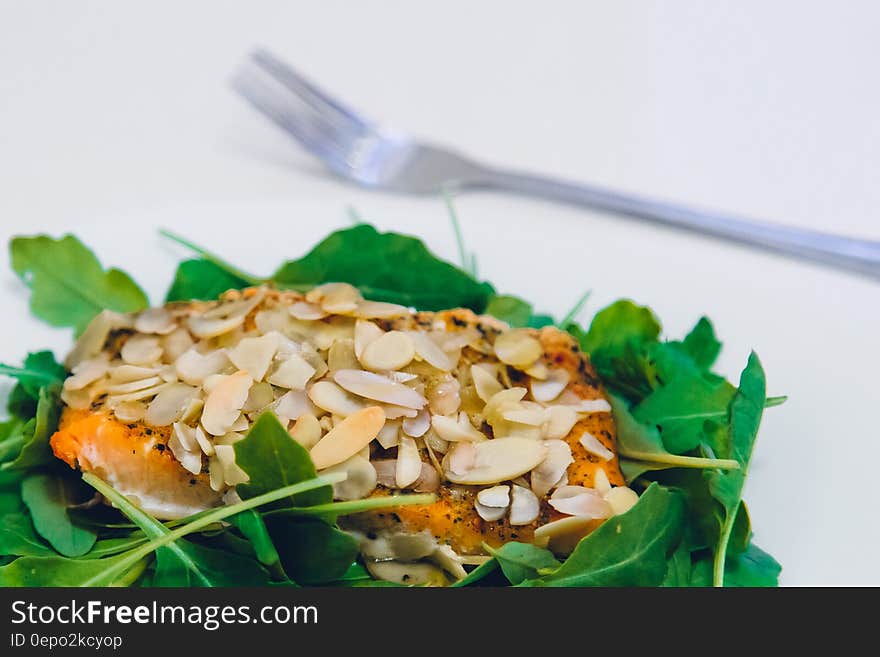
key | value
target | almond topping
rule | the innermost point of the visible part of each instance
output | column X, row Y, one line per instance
column 379, row 310
column 552, row 468
column 155, row 320
column 499, row 460
column 193, row 367
column 409, row 463
column 307, row 311
column 360, row 478
column 306, row 431
column 141, row 349
column 485, row 382
column 390, row 351
column 594, row 446
column 560, row 421
column 456, row 430
column 430, row 351
column 379, row 388
column 333, row 399
column 580, row 501
column 492, row 503
column 364, row 333
column 524, row 506
column 88, row 371
column 253, row 355
column 518, row 347
column 294, row 373
column 551, row 387
column 418, row 425
column 223, row 404
column 169, row 405
column 348, row 437
column 621, row 499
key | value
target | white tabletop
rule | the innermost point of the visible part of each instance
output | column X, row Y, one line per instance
column 116, row 118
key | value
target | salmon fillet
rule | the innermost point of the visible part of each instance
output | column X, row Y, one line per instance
column 160, row 439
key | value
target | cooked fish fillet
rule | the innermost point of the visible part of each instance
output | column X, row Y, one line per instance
column 155, row 401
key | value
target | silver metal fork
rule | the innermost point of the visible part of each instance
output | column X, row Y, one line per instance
column 359, row 150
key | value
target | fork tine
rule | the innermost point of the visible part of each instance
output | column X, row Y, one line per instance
column 318, row 139
column 319, row 99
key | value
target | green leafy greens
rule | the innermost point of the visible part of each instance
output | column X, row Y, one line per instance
column 685, row 439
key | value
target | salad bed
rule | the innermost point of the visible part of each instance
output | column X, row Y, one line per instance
column 685, row 439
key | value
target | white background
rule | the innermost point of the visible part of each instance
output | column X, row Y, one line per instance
column 116, row 118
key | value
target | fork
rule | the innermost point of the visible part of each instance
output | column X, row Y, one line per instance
column 361, row 151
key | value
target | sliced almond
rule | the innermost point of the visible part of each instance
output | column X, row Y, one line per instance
column 600, row 481
column 294, row 373
column 155, row 320
column 129, row 373
column 232, row 474
column 348, row 437
column 409, row 463
column 307, row 311
column 594, row 446
column 191, row 460
column 518, row 347
column 169, row 405
column 293, row 404
column 144, row 393
column 86, row 372
column 132, row 386
column 379, row 310
column 444, row 396
column 272, row 320
column 223, row 404
column 561, row 536
column 307, row 430
column 186, row 436
column 491, row 504
column 360, row 478
column 204, row 442
column 193, row 367
column 560, row 421
column 418, row 425
column 621, row 499
column 500, row 460
column 253, row 355
column 460, row 459
column 93, row 338
column 364, row 333
column 333, row 399
column 335, row 297
column 223, row 318
column 175, row 344
column 390, row 351
column 259, row 397
column 551, row 387
column 458, row 429
column 132, row 411
column 580, row 501
column 141, row 350
column 379, row 388
column 552, row 468
column 524, row 506
column 389, row 435
column 532, row 417
column 586, row 405
column 430, row 351
column 342, row 356
column 486, row 384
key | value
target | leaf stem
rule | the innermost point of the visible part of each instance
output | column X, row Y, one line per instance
column 468, row 262
column 575, row 310
column 681, row 461
column 203, row 521
column 10, row 370
column 355, row 506
column 210, row 257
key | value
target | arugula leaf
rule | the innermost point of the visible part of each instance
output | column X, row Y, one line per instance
column 64, row 571
column 11, row 438
column 47, row 498
column 69, row 286
column 745, row 417
column 627, row 550
column 680, row 409
column 754, row 567
column 17, row 537
column 272, row 459
column 40, row 369
column 478, row 574
column 312, row 551
column 641, row 448
column 620, row 324
column 510, row 309
column 35, row 448
column 701, row 344
column 202, row 279
column 386, row 267
column 523, row 561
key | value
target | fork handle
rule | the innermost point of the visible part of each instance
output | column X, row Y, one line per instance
column 857, row 255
